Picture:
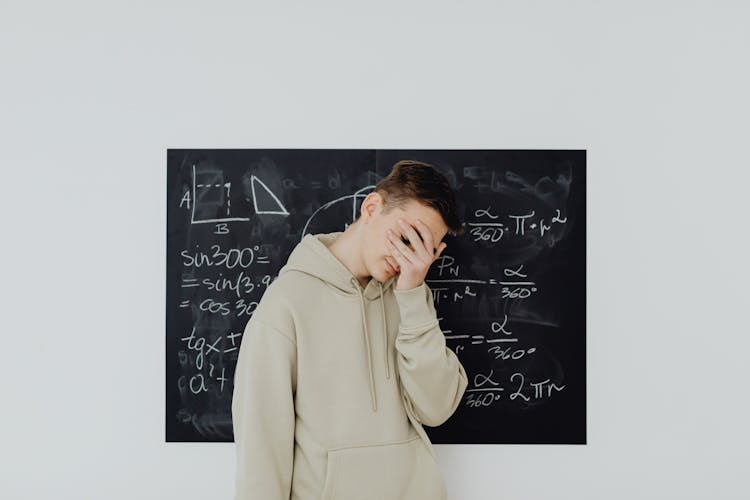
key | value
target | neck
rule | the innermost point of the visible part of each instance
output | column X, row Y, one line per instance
column 348, row 250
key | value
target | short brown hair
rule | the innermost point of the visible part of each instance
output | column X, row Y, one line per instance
column 422, row 182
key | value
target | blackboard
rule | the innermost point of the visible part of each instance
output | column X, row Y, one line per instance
column 510, row 292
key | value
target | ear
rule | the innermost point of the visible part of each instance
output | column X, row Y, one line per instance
column 372, row 203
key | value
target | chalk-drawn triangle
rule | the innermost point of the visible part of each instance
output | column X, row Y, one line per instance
column 273, row 201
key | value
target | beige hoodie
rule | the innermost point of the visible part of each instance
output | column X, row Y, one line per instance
column 333, row 384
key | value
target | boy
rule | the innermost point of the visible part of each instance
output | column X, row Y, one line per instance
column 343, row 360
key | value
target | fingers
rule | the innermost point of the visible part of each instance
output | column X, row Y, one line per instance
column 422, row 241
column 399, row 251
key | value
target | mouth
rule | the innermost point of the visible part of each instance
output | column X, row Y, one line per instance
column 391, row 269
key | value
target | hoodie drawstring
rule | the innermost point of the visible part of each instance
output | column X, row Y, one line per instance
column 385, row 333
column 367, row 340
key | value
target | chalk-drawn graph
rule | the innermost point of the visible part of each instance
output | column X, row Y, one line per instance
column 212, row 194
column 350, row 198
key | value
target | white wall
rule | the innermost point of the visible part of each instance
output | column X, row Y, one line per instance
column 92, row 95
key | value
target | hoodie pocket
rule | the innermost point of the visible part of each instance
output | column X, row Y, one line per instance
column 392, row 471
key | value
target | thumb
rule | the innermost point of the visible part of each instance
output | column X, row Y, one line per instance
column 443, row 246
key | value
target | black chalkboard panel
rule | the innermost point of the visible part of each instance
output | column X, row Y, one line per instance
column 510, row 293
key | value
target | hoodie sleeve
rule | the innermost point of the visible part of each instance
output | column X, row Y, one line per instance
column 263, row 416
column 432, row 377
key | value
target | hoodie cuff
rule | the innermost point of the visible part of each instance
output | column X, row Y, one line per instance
column 414, row 307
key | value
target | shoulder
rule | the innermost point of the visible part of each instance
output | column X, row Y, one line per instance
column 274, row 308
column 280, row 303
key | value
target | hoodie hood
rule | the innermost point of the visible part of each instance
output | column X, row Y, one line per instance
column 312, row 256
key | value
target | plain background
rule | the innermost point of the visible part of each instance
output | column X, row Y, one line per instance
column 93, row 93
